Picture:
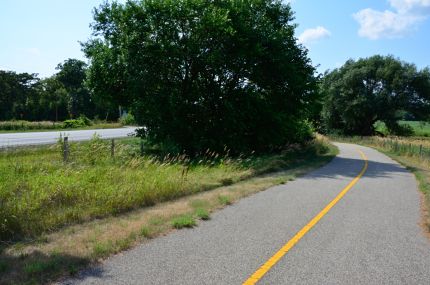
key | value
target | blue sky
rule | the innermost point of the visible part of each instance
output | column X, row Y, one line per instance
column 37, row 35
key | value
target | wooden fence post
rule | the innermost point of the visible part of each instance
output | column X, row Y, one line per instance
column 66, row 149
column 112, row 148
column 421, row 150
column 141, row 147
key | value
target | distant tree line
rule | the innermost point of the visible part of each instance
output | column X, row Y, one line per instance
column 64, row 95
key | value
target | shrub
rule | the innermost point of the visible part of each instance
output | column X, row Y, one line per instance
column 402, row 130
column 127, row 120
column 184, row 221
column 82, row 121
column 72, row 124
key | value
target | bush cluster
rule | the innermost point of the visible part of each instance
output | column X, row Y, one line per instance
column 80, row 122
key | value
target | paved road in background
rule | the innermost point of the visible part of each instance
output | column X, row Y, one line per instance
column 371, row 236
column 37, row 138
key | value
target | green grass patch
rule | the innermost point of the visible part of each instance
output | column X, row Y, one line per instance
column 202, row 214
column 146, row 232
column 184, row 221
column 39, row 267
column 101, row 250
column 224, row 200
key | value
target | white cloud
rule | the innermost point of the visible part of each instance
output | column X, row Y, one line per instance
column 405, row 18
column 313, row 35
column 375, row 24
column 405, row 6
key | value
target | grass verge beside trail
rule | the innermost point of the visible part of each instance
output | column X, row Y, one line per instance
column 96, row 188
column 412, row 153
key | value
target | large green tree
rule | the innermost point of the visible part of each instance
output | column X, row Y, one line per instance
column 18, row 93
column 378, row 88
column 204, row 74
column 54, row 99
column 72, row 74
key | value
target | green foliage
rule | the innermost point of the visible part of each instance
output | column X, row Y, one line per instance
column 54, row 99
column 72, row 74
column 401, row 130
column 82, row 121
column 145, row 232
column 26, row 125
column 184, row 221
column 127, row 120
column 62, row 96
column 71, row 124
column 18, row 95
column 378, row 88
column 204, row 74
column 420, row 128
column 224, row 200
column 39, row 267
column 202, row 214
column 101, row 250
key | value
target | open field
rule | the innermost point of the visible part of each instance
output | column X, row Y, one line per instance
column 411, row 152
column 420, row 129
column 45, row 194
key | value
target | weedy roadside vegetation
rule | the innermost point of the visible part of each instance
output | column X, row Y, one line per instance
column 184, row 221
column 72, row 124
column 202, row 214
column 57, row 217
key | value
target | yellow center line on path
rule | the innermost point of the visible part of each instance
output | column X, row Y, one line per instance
column 292, row 242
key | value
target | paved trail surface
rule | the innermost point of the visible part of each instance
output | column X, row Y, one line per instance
column 37, row 138
column 371, row 236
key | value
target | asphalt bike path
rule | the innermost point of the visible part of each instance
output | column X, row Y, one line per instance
column 370, row 235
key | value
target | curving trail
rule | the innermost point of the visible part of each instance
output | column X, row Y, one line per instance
column 370, row 236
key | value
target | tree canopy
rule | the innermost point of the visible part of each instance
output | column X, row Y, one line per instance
column 18, row 95
column 64, row 95
column 203, row 74
column 72, row 74
column 378, row 88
